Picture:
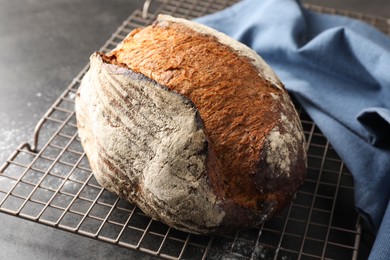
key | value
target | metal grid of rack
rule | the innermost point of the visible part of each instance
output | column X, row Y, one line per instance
column 54, row 185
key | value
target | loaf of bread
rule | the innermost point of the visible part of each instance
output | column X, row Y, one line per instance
column 191, row 126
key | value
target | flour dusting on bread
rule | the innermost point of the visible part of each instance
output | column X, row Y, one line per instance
column 191, row 126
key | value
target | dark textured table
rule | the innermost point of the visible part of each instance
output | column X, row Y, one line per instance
column 43, row 46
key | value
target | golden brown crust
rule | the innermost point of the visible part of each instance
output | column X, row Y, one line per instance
column 234, row 102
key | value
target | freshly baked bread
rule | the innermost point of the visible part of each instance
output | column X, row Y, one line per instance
column 191, row 126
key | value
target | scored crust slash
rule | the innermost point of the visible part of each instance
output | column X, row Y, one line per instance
column 191, row 126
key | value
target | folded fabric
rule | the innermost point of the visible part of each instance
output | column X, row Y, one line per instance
column 339, row 70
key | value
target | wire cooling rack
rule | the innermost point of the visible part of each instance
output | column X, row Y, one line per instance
column 52, row 184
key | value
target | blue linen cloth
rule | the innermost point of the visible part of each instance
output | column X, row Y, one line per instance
column 339, row 70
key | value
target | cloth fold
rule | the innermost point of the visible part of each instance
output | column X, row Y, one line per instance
column 377, row 122
column 339, row 70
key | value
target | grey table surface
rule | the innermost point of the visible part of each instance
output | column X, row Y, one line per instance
column 43, row 46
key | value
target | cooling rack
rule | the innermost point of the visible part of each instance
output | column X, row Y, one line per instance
column 51, row 183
